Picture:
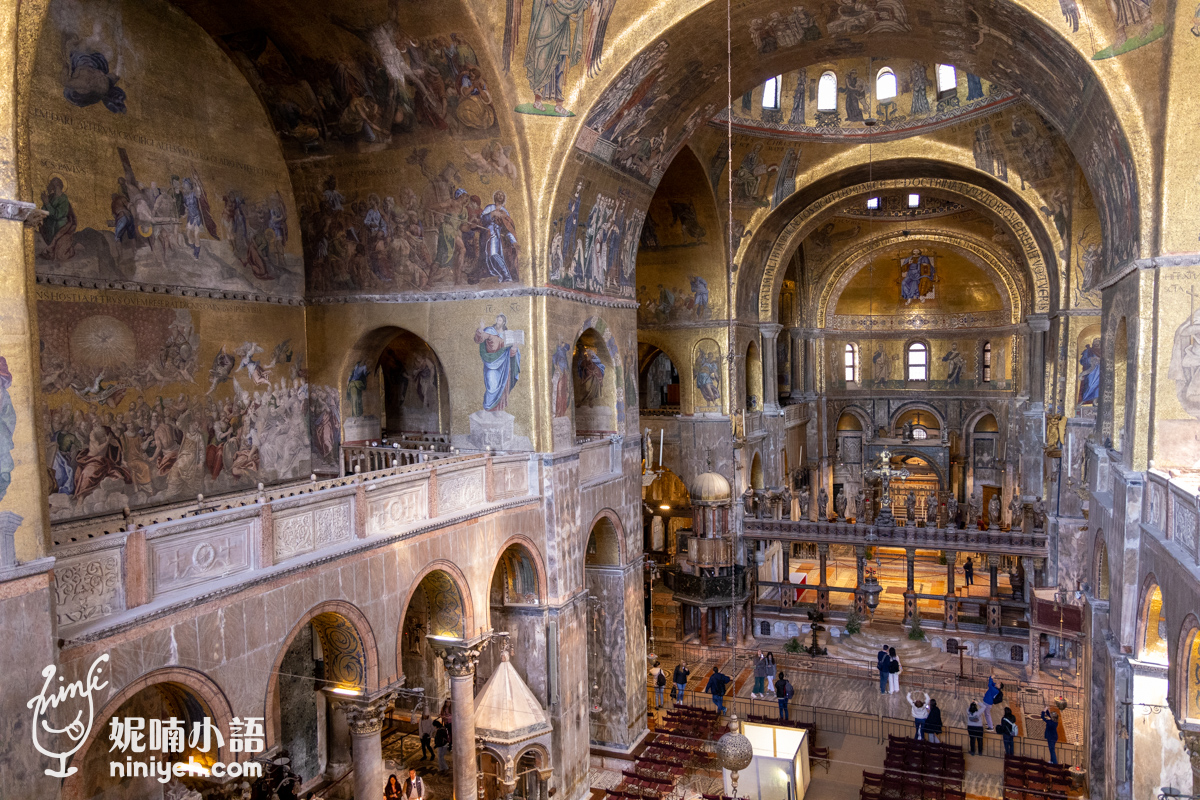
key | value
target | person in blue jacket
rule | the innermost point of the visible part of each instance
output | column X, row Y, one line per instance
column 716, row 687
column 1051, row 720
column 993, row 696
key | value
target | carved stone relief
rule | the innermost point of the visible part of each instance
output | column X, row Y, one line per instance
column 188, row 559
column 293, row 536
column 88, row 587
column 333, row 525
column 460, row 490
column 511, row 480
column 405, row 505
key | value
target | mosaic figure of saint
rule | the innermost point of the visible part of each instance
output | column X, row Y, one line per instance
column 501, row 362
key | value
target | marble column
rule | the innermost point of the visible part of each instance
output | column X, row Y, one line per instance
column 1027, row 568
column 994, row 576
column 823, row 585
column 993, row 606
column 910, row 596
column 365, row 718
column 704, row 626
column 339, row 738
column 769, row 367
column 460, row 658
column 1038, row 326
column 797, row 337
column 951, row 596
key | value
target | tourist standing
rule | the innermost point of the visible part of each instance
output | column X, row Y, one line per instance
column 920, row 712
column 680, row 677
column 783, row 695
column 975, row 728
column 414, row 787
column 393, row 790
column 993, row 696
column 760, row 675
column 447, row 717
column 660, row 683
column 969, row 572
column 425, row 731
column 894, row 669
column 716, row 687
column 1051, row 720
column 441, row 743
column 1008, row 729
column 884, row 662
column 770, row 674
column 933, row 725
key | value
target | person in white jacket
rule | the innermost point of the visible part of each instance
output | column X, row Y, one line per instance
column 920, row 711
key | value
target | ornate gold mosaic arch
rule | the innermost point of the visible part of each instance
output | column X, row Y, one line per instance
column 804, row 222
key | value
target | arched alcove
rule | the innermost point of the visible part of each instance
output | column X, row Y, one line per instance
column 594, row 381
column 516, row 594
column 415, row 394
column 1152, row 625
column 658, row 383
column 437, row 606
column 925, row 423
column 1189, row 675
column 1102, row 577
column 756, row 473
column 604, row 545
column 849, row 422
column 754, row 384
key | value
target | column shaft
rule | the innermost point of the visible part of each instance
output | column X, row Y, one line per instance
column 462, row 718
column 368, row 763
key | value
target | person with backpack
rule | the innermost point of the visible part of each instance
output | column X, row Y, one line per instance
column 894, row 668
column 933, row 725
column 680, row 678
column 920, row 712
column 441, row 742
column 716, row 687
column 975, row 728
column 783, row 694
column 1008, row 729
column 1051, row 720
column 883, row 663
column 660, row 683
column 760, row 675
column 993, row 696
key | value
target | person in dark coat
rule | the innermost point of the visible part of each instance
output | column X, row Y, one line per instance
column 1008, row 729
column 783, row 694
column 969, row 572
column 680, row 678
column 882, row 661
column 933, row 725
column 1051, row 720
column 716, row 687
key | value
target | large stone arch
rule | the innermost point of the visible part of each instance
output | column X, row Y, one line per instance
column 458, row 580
column 1043, row 288
column 615, row 520
column 203, row 688
column 975, row 250
column 915, row 405
column 325, row 612
column 535, row 556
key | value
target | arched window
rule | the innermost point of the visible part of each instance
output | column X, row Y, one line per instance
column 987, row 362
column 920, row 433
column 914, row 201
column 918, row 362
column 1102, row 579
column 771, row 92
column 850, row 360
column 827, row 92
column 885, row 84
column 872, row 203
column 947, row 78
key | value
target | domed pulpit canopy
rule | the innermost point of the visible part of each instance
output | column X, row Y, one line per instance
column 711, row 488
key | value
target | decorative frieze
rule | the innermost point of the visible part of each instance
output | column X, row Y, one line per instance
column 401, row 506
column 460, row 490
column 189, row 559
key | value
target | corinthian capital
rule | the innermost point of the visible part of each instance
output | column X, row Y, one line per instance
column 367, row 716
column 459, row 656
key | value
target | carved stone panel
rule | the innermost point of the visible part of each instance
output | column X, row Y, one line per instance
column 460, row 490
column 293, row 535
column 1156, row 512
column 1185, row 528
column 511, row 480
column 594, row 461
column 399, row 506
column 333, row 525
column 88, row 587
column 188, row 559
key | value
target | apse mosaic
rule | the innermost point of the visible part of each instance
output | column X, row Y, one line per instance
column 147, row 187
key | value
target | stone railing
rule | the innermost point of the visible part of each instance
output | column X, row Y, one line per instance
column 599, row 458
column 1171, row 512
column 1007, row 542
column 106, row 574
column 373, row 457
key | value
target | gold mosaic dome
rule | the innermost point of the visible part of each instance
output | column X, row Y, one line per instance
column 711, row 487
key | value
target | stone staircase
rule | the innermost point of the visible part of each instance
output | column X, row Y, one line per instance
column 862, row 648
